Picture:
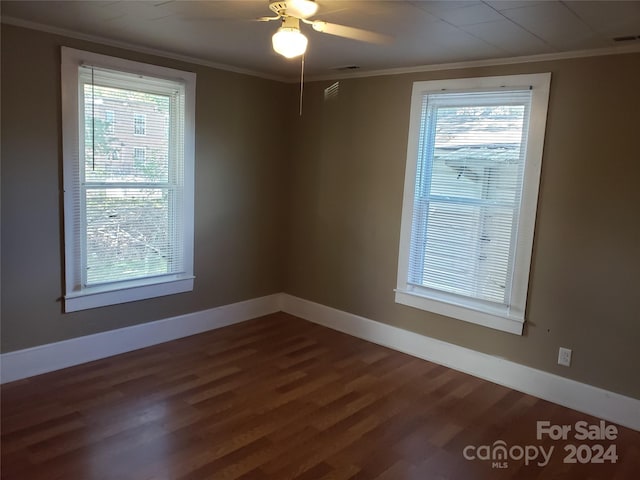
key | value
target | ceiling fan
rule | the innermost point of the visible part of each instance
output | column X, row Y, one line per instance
column 290, row 42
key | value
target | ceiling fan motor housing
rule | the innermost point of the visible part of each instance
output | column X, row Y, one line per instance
column 279, row 8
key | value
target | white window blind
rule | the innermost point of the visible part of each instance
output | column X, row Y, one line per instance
column 131, row 202
column 129, row 184
column 468, row 190
column 464, row 225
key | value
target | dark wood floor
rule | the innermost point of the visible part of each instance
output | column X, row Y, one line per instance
column 278, row 398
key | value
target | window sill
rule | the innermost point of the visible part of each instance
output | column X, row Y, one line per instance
column 114, row 294
column 510, row 324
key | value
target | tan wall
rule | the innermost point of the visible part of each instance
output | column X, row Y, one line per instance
column 239, row 214
column 346, row 201
column 314, row 209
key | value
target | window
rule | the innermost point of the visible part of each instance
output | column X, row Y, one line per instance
column 139, row 124
column 128, row 207
column 110, row 121
column 139, row 155
column 471, row 186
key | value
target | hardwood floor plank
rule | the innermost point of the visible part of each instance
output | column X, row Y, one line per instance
column 278, row 398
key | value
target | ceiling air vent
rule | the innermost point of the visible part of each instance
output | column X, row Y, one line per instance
column 627, row 38
column 347, row 67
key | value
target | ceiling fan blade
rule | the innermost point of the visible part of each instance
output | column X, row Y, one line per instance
column 351, row 32
column 266, row 19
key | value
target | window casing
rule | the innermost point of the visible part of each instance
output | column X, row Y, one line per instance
column 128, row 201
column 471, row 184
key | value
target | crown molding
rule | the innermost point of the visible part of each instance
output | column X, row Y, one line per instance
column 491, row 62
column 137, row 48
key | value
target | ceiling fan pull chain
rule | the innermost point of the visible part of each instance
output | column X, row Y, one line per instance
column 301, row 82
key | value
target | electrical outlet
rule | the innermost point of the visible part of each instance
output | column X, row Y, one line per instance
column 564, row 356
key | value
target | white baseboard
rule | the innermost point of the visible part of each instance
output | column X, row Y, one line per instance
column 54, row 356
column 554, row 388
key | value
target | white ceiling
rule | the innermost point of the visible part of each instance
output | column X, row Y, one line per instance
column 425, row 32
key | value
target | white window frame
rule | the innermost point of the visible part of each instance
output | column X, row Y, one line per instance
column 81, row 297
column 512, row 318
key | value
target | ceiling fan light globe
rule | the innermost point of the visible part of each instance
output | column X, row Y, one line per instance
column 289, row 42
column 306, row 8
